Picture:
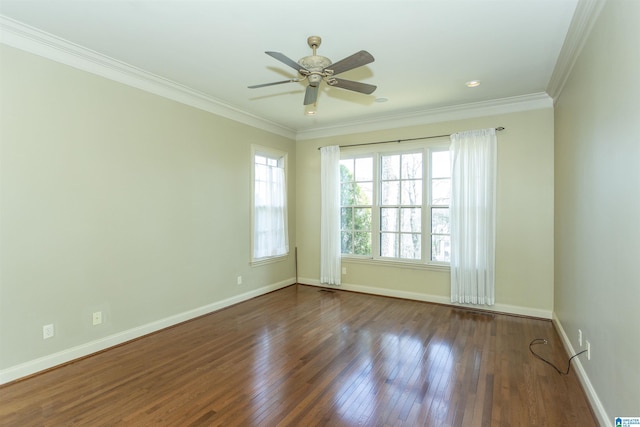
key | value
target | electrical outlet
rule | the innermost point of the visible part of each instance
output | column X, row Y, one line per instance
column 344, row 270
column 588, row 350
column 239, row 280
column 97, row 318
column 580, row 337
column 47, row 331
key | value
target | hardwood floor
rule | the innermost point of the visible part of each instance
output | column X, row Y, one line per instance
column 302, row 356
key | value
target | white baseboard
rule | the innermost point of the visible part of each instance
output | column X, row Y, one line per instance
column 500, row 308
column 46, row 362
column 596, row 405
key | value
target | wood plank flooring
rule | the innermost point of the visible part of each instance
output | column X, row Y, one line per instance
column 302, row 356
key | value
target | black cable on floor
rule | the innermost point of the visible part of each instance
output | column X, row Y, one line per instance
column 543, row 341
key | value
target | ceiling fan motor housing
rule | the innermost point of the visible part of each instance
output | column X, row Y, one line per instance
column 315, row 64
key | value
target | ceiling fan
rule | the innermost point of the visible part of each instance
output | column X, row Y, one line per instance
column 316, row 68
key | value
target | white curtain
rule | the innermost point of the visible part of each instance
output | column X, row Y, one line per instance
column 330, row 267
column 473, row 223
column 270, row 236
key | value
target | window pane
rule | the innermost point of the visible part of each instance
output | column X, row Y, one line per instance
column 412, row 192
column 362, row 243
column 412, row 166
column 440, row 220
column 364, row 169
column 440, row 248
column 362, row 219
column 440, row 164
column 348, row 194
column 390, row 167
column 411, row 220
column 389, row 219
column 347, row 242
column 389, row 245
column 346, row 218
column 390, row 193
column 441, row 191
column 346, row 170
column 410, row 246
column 353, row 193
column 364, row 193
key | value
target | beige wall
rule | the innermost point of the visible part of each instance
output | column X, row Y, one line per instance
column 597, row 278
column 524, row 254
column 117, row 200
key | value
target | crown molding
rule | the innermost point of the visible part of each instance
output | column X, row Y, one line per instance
column 584, row 18
column 32, row 40
column 512, row 104
column 18, row 35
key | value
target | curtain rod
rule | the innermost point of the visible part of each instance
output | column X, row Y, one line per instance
column 500, row 128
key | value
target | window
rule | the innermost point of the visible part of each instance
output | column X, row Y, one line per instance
column 269, row 225
column 401, row 205
column 395, row 205
column 356, row 195
column 440, row 198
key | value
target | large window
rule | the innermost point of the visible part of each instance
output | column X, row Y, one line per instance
column 269, row 233
column 395, row 205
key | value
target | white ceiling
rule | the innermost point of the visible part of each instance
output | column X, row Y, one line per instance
column 424, row 51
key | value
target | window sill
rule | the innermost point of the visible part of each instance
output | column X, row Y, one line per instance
column 269, row 260
column 399, row 264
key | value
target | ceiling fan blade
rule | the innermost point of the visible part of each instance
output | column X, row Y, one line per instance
column 351, row 85
column 356, row 60
column 274, row 83
column 311, row 95
column 286, row 60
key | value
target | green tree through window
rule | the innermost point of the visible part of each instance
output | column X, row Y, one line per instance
column 395, row 204
column 355, row 202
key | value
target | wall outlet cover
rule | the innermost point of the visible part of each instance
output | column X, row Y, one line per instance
column 48, row 331
column 580, row 337
column 97, row 318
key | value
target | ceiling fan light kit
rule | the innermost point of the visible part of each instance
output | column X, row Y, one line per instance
column 310, row 110
column 316, row 69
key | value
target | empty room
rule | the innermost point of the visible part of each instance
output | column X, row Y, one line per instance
column 299, row 213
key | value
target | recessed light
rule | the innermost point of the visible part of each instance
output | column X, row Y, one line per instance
column 473, row 83
column 382, row 99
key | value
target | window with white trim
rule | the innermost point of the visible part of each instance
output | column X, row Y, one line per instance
column 395, row 204
column 356, row 195
column 439, row 201
column 401, row 205
column 269, row 205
